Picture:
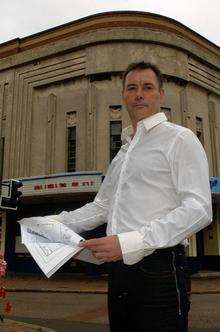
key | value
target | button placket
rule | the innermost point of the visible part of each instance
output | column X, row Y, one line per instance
column 121, row 177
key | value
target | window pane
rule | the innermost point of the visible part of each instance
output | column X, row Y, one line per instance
column 71, row 163
column 167, row 112
column 199, row 129
column 115, row 138
column 2, row 145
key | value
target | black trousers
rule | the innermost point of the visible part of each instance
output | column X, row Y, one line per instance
column 152, row 295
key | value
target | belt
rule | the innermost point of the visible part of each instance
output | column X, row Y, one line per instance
column 178, row 249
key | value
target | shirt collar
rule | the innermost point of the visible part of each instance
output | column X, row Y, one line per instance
column 148, row 123
column 154, row 120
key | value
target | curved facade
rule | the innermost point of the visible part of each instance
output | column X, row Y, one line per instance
column 70, row 77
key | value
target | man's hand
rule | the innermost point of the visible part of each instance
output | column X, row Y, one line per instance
column 105, row 249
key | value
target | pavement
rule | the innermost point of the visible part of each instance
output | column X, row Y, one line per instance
column 14, row 326
column 204, row 282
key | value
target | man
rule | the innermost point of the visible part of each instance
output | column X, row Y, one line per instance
column 155, row 195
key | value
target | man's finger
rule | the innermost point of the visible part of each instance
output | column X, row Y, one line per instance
column 100, row 255
column 99, row 248
column 91, row 243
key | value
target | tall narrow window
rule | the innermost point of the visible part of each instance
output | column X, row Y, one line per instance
column 2, row 146
column 213, row 136
column 71, row 141
column 115, row 138
column 71, row 167
column 199, row 129
column 167, row 112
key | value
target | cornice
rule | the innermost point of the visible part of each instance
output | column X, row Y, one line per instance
column 151, row 24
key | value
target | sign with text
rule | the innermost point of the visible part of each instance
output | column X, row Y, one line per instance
column 75, row 182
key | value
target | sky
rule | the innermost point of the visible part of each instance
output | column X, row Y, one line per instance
column 21, row 18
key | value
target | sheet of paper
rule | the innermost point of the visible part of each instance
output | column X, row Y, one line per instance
column 52, row 244
column 51, row 229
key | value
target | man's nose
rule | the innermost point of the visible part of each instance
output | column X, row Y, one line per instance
column 139, row 94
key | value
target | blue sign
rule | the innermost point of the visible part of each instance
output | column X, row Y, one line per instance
column 215, row 185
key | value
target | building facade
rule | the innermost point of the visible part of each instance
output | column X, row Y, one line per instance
column 61, row 109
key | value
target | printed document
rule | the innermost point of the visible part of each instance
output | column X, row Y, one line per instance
column 52, row 244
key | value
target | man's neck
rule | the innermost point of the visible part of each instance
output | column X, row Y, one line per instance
column 134, row 123
column 134, row 126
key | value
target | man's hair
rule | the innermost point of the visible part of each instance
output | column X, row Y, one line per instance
column 141, row 66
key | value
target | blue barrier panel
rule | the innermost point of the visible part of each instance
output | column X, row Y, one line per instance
column 215, row 185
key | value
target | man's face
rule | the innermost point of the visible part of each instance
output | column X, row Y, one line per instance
column 142, row 95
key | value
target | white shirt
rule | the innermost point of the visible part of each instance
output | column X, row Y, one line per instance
column 156, row 191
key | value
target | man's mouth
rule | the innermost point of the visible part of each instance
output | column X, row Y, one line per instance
column 140, row 105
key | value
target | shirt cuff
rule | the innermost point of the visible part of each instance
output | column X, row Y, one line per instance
column 132, row 247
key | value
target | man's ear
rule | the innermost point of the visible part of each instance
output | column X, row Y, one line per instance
column 122, row 94
column 161, row 96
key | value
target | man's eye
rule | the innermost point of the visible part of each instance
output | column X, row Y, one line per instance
column 129, row 88
column 148, row 87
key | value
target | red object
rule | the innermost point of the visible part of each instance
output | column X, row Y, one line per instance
column 8, row 307
column 2, row 292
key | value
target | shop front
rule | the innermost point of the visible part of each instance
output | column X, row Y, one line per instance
column 204, row 247
column 43, row 196
column 212, row 234
column 47, row 195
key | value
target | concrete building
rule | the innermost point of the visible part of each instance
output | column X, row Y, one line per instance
column 61, row 109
